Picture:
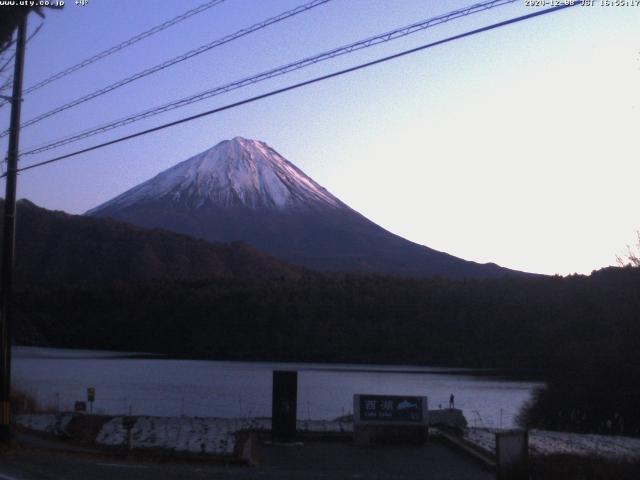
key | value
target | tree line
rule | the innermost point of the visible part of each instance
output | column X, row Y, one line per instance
column 580, row 333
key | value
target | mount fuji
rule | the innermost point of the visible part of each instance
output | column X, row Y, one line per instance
column 244, row 190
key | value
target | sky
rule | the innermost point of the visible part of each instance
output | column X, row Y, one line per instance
column 517, row 146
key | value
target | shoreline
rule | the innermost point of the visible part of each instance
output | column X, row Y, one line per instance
column 226, row 437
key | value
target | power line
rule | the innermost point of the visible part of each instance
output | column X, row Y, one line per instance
column 12, row 56
column 7, row 62
column 302, row 84
column 10, row 59
column 122, row 45
column 173, row 61
column 299, row 64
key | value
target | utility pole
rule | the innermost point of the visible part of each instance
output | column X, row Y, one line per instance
column 8, row 239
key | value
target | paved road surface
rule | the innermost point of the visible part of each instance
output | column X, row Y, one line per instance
column 317, row 460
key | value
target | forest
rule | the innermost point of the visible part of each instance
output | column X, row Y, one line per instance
column 579, row 333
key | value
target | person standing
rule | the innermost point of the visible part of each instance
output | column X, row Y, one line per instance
column 452, row 399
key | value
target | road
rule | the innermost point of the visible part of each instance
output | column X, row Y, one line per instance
column 316, row 460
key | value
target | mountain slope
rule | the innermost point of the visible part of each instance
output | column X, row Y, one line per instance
column 244, row 190
column 57, row 248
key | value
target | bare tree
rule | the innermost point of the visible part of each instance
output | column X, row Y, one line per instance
column 632, row 256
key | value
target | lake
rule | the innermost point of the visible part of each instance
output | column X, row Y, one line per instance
column 127, row 384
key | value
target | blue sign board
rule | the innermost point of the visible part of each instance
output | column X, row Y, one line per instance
column 390, row 408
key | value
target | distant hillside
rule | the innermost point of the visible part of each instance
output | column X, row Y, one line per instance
column 54, row 247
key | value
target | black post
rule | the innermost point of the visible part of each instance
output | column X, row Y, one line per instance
column 8, row 239
column 284, row 406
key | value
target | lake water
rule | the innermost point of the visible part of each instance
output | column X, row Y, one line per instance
column 169, row 387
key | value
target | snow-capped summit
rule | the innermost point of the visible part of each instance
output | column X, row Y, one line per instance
column 244, row 190
column 232, row 173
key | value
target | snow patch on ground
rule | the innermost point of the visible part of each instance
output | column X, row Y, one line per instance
column 212, row 436
column 542, row 442
column 53, row 424
column 217, row 436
